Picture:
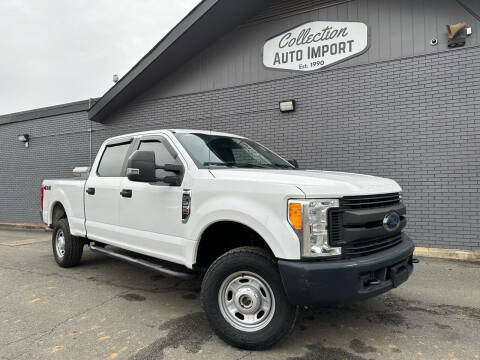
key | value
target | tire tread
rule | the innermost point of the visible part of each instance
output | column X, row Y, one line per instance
column 74, row 253
column 247, row 252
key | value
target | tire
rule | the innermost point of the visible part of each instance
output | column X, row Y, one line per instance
column 71, row 252
column 234, row 286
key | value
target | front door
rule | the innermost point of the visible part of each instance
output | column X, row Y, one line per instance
column 151, row 213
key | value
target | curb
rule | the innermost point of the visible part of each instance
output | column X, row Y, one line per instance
column 24, row 226
column 452, row 254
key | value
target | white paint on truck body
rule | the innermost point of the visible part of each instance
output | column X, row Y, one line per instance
column 150, row 222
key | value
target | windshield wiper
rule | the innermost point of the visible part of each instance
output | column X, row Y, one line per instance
column 240, row 165
column 247, row 165
column 250, row 165
column 219, row 163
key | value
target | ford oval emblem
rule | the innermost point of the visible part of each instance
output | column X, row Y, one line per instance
column 391, row 221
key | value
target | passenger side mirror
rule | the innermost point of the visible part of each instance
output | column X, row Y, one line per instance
column 141, row 166
column 294, row 163
column 175, row 180
column 171, row 167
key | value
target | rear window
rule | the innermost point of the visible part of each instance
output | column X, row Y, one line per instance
column 111, row 164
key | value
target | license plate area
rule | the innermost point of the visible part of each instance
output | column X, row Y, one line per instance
column 399, row 272
column 394, row 274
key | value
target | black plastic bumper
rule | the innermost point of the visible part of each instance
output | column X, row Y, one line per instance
column 334, row 281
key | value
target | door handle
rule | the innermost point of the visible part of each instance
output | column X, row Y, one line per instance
column 126, row 193
column 90, row 191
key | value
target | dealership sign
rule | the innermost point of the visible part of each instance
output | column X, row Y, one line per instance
column 315, row 45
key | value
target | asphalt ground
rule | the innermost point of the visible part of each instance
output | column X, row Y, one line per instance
column 106, row 309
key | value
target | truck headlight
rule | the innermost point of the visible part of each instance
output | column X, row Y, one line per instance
column 309, row 220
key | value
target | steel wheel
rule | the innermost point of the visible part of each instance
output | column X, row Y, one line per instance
column 60, row 244
column 246, row 301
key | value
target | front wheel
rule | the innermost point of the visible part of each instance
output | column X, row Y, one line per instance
column 244, row 300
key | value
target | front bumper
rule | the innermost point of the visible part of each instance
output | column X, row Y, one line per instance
column 334, row 281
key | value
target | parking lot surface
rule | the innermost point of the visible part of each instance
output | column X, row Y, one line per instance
column 106, row 309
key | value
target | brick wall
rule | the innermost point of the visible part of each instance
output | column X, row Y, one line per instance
column 57, row 145
column 414, row 120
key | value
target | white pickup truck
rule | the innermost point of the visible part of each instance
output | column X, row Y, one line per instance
column 263, row 235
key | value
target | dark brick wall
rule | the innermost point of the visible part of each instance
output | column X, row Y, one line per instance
column 414, row 120
column 57, row 145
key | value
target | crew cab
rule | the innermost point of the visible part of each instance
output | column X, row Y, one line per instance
column 262, row 235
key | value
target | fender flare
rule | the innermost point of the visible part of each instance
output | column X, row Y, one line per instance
column 60, row 198
column 262, row 228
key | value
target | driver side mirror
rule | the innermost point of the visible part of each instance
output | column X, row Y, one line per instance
column 141, row 167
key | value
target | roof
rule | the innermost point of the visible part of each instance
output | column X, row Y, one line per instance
column 208, row 132
column 68, row 108
column 172, row 131
column 207, row 22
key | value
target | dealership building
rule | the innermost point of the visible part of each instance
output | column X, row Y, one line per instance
column 368, row 86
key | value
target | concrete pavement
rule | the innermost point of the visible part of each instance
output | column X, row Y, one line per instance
column 106, row 309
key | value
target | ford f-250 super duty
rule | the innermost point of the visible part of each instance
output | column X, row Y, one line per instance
column 263, row 235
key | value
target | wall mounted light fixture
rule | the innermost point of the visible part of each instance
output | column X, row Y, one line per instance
column 24, row 138
column 287, row 105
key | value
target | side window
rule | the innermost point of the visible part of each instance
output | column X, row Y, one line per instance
column 111, row 163
column 162, row 155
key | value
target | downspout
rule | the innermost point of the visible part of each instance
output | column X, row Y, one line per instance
column 90, row 103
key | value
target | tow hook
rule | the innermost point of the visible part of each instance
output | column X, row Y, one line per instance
column 415, row 261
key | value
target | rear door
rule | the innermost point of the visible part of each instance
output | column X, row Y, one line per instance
column 102, row 191
column 151, row 215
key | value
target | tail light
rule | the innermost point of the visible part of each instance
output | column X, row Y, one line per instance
column 41, row 196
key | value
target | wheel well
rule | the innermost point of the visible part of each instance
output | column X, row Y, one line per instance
column 224, row 236
column 58, row 212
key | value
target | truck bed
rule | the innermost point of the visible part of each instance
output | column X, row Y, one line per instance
column 69, row 192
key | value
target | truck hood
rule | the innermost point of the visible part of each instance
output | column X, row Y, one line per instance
column 314, row 183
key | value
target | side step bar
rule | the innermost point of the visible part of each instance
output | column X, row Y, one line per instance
column 145, row 263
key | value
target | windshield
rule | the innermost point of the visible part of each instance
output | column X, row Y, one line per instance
column 225, row 151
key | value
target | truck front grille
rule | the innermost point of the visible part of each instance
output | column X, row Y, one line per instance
column 369, row 201
column 357, row 225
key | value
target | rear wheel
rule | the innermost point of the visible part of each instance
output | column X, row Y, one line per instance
column 67, row 249
column 244, row 300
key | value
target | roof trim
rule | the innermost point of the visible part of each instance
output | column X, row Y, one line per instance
column 148, row 59
column 209, row 20
column 61, row 109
